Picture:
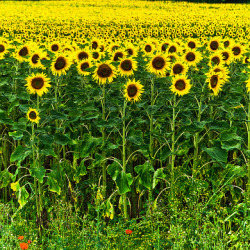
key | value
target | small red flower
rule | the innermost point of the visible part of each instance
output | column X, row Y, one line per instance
column 29, row 241
column 128, row 231
column 24, row 245
column 20, row 237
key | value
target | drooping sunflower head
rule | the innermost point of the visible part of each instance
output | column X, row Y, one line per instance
column 127, row 66
column 105, row 72
column 133, row 90
column 158, row 64
column 179, row 67
column 214, row 44
column 33, row 115
column 82, row 66
column 60, row 65
column 192, row 57
column 215, row 82
column 180, row 85
column 38, row 84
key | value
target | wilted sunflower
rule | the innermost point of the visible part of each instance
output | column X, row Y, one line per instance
column 60, row 65
column 104, row 72
column 127, row 67
column 158, row 65
column 82, row 66
column 33, row 115
column 178, row 68
column 215, row 82
column 38, row 84
column 133, row 90
column 180, row 85
column 55, row 47
column 192, row 57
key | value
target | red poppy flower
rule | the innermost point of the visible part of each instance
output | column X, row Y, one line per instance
column 29, row 241
column 128, row 231
column 24, row 245
column 20, row 237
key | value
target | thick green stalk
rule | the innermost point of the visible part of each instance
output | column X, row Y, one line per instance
column 196, row 142
column 124, row 157
column 173, row 154
column 104, row 172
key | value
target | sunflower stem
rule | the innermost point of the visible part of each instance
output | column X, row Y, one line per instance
column 104, row 174
column 124, row 156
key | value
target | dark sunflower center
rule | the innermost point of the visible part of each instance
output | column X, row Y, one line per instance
column 126, row 65
column 95, row 55
column 216, row 60
column 117, row 56
column 226, row 55
column 191, row 45
column 32, row 115
column 132, row 90
column 177, row 69
column 217, row 70
column 84, row 66
column 247, row 60
column 180, row 84
column 158, row 62
column 37, row 83
column 60, row 63
column 94, row 45
column 236, row 51
column 214, row 45
column 115, row 47
column 226, row 44
column 164, row 47
column 54, row 47
column 172, row 49
column 148, row 48
column 130, row 51
column 190, row 56
column 35, row 58
column 2, row 48
column 82, row 55
column 214, row 81
column 23, row 52
column 104, row 71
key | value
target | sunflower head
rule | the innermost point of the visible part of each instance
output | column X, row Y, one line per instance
column 82, row 66
column 180, row 85
column 55, row 47
column 214, row 44
column 158, row 65
column 38, row 84
column 82, row 55
column 215, row 81
column 127, row 66
column 133, row 91
column 33, row 115
column 104, row 72
column 192, row 57
column 60, row 65
column 238, row 50
column 117, row 55
column 178, row 68
column 22, row 52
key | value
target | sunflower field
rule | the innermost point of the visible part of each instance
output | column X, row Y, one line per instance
column 124, row 125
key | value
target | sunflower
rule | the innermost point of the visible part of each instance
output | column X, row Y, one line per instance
column 238, row 51
column 131, row 50
column 148, row 48
column 55, row 47
column 246, row 60
column 34, row 59
column 104, row 72
column 95, row 43
column 227, row 55
column 113, row 47
column 173, row 48
column 82, row 66
column 216, row 59
column 22, row 52
column 60, row 65
column 133, row 90
column 214, row 44
column 82, row 55
column 227, row 43
column 127, row 67
column 178, row 68
column 33, row 115
column 192, row 43
column 96, row 55
column 3, row 49
column 221, row 69
column 180, row 85
column 215, row 81
column 192, row 57
column 118, row 54
column 158, row 65
column 38, row 84
column 163, row 46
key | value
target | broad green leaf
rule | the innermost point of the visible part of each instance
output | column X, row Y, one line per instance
column 17, row 135
column 98, row 160
column 114, row 169
column 23, row 196
column 90, row 143
column 123, row 182
column 53, row 185
column 217, row 153
column 136, row 137
column 5, row 178
column 80, row 171
column 158, row 174
column 38, row 173
column 46, row 139
column 20, row 154
column 61, row 139
column 145, row 173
